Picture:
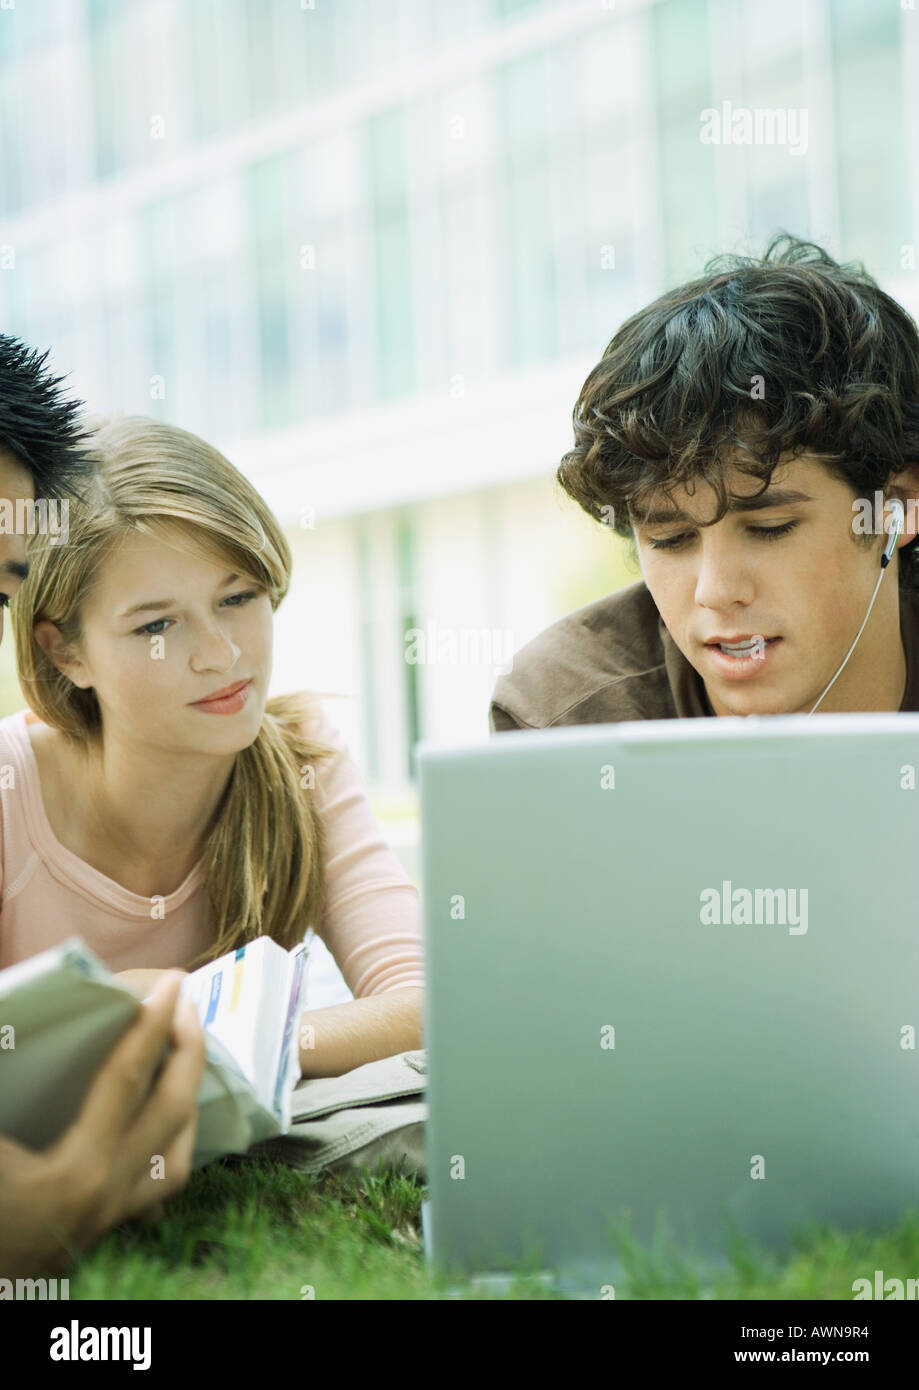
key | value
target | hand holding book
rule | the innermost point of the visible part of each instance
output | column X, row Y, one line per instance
column 64, row 1012
column 143, row 982
column 98, row 1174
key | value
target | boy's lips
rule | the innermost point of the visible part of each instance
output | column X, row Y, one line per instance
column 742, row 663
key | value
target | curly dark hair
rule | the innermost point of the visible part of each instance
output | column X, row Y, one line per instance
column 835, row 359
column 38, row 424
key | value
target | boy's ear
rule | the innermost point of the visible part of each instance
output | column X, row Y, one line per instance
column 52, row 644
column 905, row 485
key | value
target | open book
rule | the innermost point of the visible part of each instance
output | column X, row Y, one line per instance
column 61, row 1013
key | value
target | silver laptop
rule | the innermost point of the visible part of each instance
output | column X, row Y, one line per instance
column 673, row 987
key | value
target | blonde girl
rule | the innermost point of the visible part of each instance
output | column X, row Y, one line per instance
column 174, row 811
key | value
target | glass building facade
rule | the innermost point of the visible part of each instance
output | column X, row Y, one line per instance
column 371, row 250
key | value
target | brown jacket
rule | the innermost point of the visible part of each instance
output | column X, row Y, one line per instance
column 615, row 660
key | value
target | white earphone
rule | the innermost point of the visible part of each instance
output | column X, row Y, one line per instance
column 896, row 527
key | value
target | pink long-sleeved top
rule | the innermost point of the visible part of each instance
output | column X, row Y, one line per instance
column 371, row 922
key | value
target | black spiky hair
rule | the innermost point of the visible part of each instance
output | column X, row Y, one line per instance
column 38, row 425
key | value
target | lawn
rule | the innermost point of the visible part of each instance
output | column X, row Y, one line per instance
column 256, row 1229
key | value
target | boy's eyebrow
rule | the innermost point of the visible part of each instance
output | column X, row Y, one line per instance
column 154, row 605
column 772, row 497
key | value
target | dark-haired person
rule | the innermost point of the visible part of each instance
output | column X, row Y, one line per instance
column 737, row 431
column 59, row 1201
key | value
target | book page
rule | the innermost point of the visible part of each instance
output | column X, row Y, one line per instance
column 244, row 1002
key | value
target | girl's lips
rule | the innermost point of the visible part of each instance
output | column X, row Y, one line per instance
column 226, row 704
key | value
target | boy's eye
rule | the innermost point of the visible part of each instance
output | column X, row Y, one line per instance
column 764, row 533
column 231, row 601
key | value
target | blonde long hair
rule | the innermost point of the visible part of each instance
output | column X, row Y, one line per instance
column 264, row 848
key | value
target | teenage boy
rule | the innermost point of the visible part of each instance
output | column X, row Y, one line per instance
column 745, row 432
column 62, row 1200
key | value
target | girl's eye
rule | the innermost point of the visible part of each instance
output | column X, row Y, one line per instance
column 766, row 533
column 4, row 600
column 148, row 628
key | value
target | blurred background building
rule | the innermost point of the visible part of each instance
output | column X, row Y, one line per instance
column 371, row 250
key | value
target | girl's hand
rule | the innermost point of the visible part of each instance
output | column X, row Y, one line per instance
column 141, row 982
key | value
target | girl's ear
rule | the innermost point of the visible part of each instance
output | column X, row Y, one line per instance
column 52, row 644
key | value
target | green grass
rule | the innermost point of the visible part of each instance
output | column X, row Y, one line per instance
column 260, row 1230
